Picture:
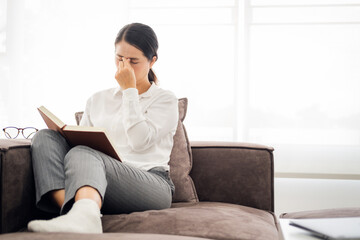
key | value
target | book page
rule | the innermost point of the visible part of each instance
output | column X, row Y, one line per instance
column 50, row 119
column 83, row 128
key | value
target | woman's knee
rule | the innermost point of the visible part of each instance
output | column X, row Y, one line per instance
column 45, row 135
column 48, row 146
column 79, row 153
column 73, row 153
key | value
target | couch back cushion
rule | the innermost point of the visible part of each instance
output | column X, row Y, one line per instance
column 180, row 159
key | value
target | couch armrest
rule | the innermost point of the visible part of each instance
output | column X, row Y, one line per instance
column 17, row 187
column 239, row 173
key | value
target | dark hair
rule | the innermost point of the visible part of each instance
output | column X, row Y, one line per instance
column 143, row 38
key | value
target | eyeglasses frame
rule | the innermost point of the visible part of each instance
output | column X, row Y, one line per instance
column 19, row 129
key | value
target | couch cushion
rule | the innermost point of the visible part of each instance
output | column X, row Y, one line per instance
column 324, row 213
column 17, row 203
column 202, row 219
column 104, row 236
column 233, row 172
column 180, row 159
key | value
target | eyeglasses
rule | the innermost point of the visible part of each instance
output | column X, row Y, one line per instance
column 13, row 132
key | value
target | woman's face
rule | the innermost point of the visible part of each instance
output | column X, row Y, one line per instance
column 138, row 61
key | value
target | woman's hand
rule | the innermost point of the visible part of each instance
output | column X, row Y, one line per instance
column 125, row 75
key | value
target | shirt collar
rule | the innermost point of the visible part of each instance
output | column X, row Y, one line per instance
column 148, row 93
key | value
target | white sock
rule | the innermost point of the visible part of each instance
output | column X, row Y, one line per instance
column 84, row 217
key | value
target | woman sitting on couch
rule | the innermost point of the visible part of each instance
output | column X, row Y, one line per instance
column 141, row 119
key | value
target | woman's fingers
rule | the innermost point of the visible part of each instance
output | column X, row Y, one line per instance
column 124, row 62
column 127, row 62
column 125, row 75
column 120, row 65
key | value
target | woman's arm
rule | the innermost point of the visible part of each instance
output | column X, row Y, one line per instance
column 159, row 119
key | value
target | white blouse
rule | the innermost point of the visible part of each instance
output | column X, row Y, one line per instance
column 141, row 126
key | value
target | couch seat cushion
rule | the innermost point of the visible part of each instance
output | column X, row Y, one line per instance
column 79, row 236
column 202, row 219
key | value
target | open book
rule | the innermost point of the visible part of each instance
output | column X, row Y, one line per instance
column 93, row 137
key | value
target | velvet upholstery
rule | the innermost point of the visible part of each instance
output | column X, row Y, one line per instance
column 105, row 236
column 17, row 199
column 203, row 219
column 235, row 173
column 180, row 159
column 234, row 182
column 186, row 218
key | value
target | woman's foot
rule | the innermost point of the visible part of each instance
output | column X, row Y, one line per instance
column 84, row 217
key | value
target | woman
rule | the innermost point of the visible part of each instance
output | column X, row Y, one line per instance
column 141, row 118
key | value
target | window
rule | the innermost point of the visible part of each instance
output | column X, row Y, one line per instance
column 196, row 59
column 283, row 73
column 304, row 84
column 289, row 76
column 57, row 54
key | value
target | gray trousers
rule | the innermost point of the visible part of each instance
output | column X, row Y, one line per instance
column 123, row 188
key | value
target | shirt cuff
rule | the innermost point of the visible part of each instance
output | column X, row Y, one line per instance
column 131, row 94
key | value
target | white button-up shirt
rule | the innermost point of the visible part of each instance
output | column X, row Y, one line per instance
column 141, row 126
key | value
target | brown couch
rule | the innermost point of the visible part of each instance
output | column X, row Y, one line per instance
column 224, row 190
column 234, row 184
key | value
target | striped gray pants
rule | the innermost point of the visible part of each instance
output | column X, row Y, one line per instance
column 123, row 188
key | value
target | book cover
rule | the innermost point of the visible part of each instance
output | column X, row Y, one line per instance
column 93, row 137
